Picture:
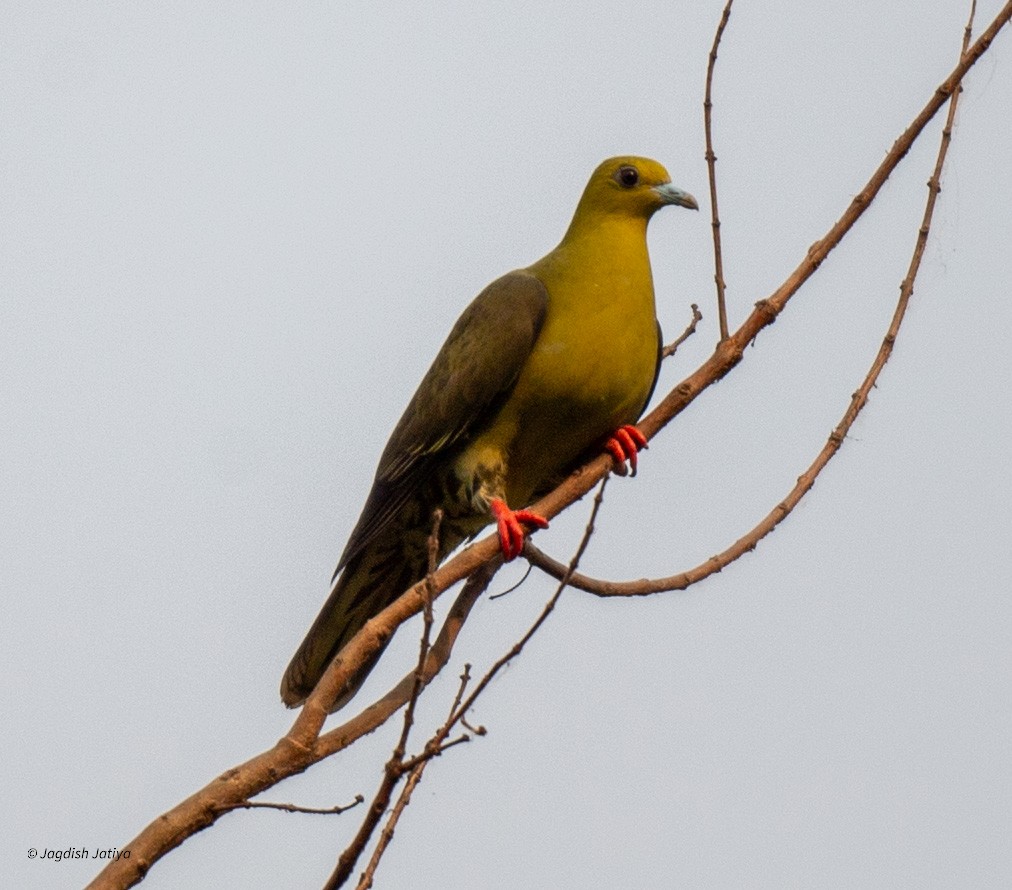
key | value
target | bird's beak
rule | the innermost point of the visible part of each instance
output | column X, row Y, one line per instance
column 669, row 194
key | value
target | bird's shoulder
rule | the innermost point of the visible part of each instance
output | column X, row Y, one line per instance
column 467, row 383
column 477, row 365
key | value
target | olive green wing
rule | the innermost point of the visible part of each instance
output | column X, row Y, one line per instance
column 471, row 377
column 657, row 368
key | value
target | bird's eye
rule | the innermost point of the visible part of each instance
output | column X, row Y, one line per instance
column 627, row 176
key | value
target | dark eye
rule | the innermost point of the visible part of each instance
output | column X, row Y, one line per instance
column 627, row 176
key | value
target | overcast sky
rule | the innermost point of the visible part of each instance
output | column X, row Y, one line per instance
column 234, row 236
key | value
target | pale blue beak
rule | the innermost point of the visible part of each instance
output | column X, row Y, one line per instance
column 670, row 194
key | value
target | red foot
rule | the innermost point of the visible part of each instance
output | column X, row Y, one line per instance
column 511, row 533
column 624, row 445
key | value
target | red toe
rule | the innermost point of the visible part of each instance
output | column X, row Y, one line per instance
column 511, row 532
column 624, row 445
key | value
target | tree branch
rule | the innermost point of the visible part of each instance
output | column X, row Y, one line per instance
column 806, row 480
column 435, row 746
column 303, row 745
column 711, row 169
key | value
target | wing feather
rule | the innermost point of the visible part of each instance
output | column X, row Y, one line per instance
column 472, row 375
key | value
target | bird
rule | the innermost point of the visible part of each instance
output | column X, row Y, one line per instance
column 548, row 364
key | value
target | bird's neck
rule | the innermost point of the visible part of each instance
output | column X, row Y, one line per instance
column 602, row 254
column 612, row 228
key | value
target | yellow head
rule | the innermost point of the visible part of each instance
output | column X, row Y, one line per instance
column 631, row 187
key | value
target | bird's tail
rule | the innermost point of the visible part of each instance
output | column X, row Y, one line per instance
column 369, row 582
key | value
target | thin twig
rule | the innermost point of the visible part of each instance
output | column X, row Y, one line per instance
column 414, row 768
column 711, row 168
column 423, row 646
column 549, row 607
column 433, row 749
column 387, row 835
column 690, row 329
column 477, row 730
column 294, row 808
column 465, row 678
column 376, row 714
column 512, row 587
column 349, row 856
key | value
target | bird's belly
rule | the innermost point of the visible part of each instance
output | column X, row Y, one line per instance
column 570, row 396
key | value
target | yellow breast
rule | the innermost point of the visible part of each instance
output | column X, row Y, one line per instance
column 592, row 366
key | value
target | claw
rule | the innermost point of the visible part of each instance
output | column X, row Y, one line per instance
column 624, row 445
column 511, row 532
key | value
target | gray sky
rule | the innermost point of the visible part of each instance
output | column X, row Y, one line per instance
column 234, row 237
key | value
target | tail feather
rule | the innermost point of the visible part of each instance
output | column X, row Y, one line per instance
column 368, row 584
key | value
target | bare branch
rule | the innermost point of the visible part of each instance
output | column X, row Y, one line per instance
column 730, row 352
column 711, row 168
column 387, row 835
column 377, row 713
column 394, row 768
column 437, row 744
column 303, row 745
column 429, row 589
column 807, row 479
column 434, row 659
column 518, row 647
column 690, row 329
column 465, row 678
column 433, row 748
column 294, row 808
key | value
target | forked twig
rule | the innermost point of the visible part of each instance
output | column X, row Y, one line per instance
column 387, row 835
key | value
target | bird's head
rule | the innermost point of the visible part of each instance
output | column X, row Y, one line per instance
column 631, row 186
